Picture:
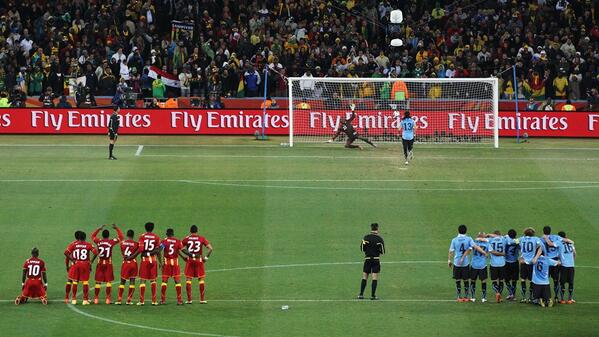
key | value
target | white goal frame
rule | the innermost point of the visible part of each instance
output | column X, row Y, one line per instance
column 491, row 80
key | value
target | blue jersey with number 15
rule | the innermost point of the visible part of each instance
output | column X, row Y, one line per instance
column 497, row 244
column 407, row 128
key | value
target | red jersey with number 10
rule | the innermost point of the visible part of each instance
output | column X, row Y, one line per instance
column 34, row 268
column 80, row 251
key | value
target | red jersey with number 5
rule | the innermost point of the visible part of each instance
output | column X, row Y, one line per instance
column 80, row 251
column 171, row 248
column 194, row 244
column 34, row 268
column 148, row 242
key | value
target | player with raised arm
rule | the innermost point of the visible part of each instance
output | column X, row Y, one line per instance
column 373, row 247
column 113, row 129
column 478, row 267
column 149, row 249
column 129, row 250
column 540, row 276
column 511, row 264
column 497, row 250
column 567, row 253
column 170, row 268
column 194, row 265
column 407, row 127
column 104, row 267
column 528, row 248
column 34, row 273
column 459, row 249
column 346, row 127
column 79, row 253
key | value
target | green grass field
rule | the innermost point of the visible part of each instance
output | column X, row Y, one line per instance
column 286, row 224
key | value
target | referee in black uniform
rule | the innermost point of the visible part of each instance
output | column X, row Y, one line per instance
column 113, row 129
column 373, row 247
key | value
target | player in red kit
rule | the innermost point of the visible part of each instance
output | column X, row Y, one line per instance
column 79, row 253
column 67, row 261
column 194, row 267
column 129, row 249
column 34, row 273
column 104, row 268
column 170, row 268
column 149, row 249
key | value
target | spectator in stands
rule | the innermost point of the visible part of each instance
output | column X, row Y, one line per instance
column 158, row 88
column 47, row 98
column 4, row 103
column 547, row 105
column 593, row 100
column 63, row 103
column 185, row 81
column 146, row 83
column 251, row 80
column 214, row 102
column 531, row 105
column 560, row 85
column 568, row 106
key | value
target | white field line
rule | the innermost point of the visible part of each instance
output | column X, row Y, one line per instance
column 424, row 146
column 139, row 149
column 83, row 313
column 367, row 157
column 457, row 181
column 241, row 183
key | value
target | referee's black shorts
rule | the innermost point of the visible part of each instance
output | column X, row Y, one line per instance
column 112, row 135
column 372, row 265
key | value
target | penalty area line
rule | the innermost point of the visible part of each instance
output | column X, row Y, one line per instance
column 139, row 326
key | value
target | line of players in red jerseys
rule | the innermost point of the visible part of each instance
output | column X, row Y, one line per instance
column 155, row 253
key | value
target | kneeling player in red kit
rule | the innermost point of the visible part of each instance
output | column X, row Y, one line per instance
column 34, row 272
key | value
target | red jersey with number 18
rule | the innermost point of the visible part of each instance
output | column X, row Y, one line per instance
column 80, row 251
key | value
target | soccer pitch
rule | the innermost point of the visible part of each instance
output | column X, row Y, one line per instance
column 286, row 225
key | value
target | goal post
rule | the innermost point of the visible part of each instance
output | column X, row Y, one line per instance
column 446, row 111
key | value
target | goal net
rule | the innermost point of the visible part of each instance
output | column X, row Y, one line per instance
column 446, row 111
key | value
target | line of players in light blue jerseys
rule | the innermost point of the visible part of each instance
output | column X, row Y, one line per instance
column 532, row 260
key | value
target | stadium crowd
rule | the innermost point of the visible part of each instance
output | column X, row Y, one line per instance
column 553, row 44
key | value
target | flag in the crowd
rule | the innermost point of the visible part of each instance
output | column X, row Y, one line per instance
column 241, row 88
column 73, row 82
column 167, row 78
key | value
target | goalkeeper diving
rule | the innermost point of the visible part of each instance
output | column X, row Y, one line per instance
column 345, row 126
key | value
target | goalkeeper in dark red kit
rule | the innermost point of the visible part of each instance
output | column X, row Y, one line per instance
column 345, row 126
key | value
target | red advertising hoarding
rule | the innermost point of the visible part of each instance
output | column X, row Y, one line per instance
column 276, row 122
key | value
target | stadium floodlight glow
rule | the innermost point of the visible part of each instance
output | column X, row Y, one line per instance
column 446, row 110
column 396, row 16
column 396, row 43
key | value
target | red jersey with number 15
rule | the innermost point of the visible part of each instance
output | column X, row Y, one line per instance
column 147, row 243
column 194, row 244
column 34, row 268
column 80, row 251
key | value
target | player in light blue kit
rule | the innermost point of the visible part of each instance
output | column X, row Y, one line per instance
column 540, row 276
column 407, row 127
column 478, row 267
column 528, row 247
column 567, row 254
column 459, row 249
column 511, row 264
column 497, row 251
column 551, row 243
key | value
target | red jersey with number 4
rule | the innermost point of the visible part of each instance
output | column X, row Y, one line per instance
column 129, row 247
column 194, row 244
column 34, row 268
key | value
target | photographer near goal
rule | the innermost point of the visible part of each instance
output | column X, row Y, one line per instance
column 345, row 126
